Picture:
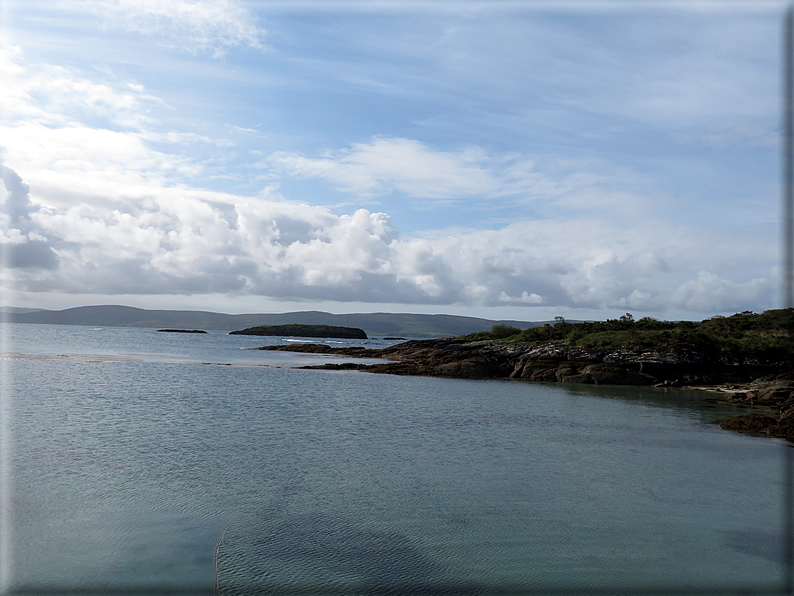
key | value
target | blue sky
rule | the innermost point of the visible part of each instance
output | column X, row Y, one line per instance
column 499, row 159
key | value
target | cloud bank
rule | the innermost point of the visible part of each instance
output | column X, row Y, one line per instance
column 97, row 198
column 185, row 241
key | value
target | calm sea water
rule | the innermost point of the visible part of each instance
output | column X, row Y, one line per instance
column 153, row 461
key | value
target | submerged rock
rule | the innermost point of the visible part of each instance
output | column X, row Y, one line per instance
column 758, row 424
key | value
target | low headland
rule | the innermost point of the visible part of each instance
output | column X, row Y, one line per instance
column 299, row 330
column 746, row 359
column 181, row 331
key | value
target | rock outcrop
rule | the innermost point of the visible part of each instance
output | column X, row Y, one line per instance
column 775, row 395
column 553, row 362
column 750, row 382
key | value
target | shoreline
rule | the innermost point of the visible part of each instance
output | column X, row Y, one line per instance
column 767, row 387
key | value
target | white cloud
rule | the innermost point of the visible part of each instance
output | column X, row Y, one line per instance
column 108, row 214
column 524, row 298
column 21, row 245
column 66, row 94
column 56, row 96
column 182, row 240
column 404, row 165
column 408, row 166
column 710, row 293
column 195, row 25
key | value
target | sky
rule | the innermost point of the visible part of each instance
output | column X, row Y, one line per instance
column 499, row 159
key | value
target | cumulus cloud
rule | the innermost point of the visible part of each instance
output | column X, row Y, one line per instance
column 17, row 198
column 196, row 25
column 710, row 293
column 186, row 241
column 89, row 209
column 21, row 245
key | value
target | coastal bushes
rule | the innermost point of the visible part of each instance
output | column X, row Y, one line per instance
column 767, row 335
column 498, row 331
column 501, row 331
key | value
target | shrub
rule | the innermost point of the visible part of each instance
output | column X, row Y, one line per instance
column 501, row 331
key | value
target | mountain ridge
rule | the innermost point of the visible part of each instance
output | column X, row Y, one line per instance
column 374, row 324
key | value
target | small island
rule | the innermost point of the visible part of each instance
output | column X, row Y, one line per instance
column 297, row 330
column 181, row 331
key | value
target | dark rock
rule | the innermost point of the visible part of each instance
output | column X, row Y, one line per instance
column 470, row 368
column 335, row 366
column 637, row 378
column 544, row 375
column 749, row 423
column 757, row 424
column 575, row 378
column 713, row 379
column 606, row 375
column 565, row 371
column 786, row 413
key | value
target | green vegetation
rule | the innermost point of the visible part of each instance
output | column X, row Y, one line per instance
column 501, row 331
column 498, row 331
column 763, row 335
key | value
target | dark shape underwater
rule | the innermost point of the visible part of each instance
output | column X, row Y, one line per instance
column 758, row 543
column 378, row 563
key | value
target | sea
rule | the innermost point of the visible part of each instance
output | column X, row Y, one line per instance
column 141, row 462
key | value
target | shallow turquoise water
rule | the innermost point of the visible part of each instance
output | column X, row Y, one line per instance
column 133, row 461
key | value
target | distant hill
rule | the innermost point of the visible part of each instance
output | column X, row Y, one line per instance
column 374, row 324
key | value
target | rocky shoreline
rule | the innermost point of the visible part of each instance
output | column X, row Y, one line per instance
column 766, row 385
